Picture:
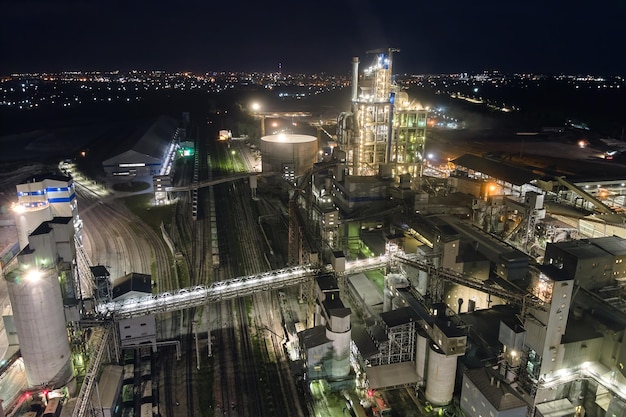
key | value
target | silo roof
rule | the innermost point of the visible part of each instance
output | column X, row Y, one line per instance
column 288, row 138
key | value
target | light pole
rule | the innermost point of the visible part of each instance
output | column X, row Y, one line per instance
column 256, row 107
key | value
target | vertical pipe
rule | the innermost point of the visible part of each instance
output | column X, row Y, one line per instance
column 195, row 334
column 355, row 78
column 389, row 138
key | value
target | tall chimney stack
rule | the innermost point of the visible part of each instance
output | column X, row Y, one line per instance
column 355, row 78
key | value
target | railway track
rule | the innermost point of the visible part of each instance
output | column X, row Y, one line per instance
column 116, row 238
column 286, row 399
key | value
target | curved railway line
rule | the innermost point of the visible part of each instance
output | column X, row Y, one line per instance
column 251, row 376
column 136, row 246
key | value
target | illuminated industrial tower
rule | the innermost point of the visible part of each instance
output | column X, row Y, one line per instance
column 384, row 128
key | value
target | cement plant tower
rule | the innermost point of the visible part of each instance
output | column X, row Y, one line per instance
column 385, row 132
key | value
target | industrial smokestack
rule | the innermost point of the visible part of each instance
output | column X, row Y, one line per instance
column 355, row 78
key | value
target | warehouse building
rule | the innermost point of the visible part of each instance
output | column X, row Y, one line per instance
column 146, row 150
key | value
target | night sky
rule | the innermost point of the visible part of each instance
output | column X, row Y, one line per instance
column 437, row 36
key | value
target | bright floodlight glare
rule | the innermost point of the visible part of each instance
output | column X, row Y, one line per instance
column 33, row 275
column 256, row 106
column 18, row 208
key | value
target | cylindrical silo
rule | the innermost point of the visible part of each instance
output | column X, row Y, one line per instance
column 387, row 298
column 440, row 376
column 355, row 78
column 39, row 318
column 421, row 353
column 340, row 364
column 28, row 219
column 288, row 152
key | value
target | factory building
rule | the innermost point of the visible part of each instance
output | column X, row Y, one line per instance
column 384, row 126
column 484, row 394
column 145, row 152
column 141, row 330
column 42, row 197
column 562, row 357
column 486, row 321
column 406, row 344
column 378, row 159
column 482, row 177
column 356, row 192
column 593, row 263
column 326, row 345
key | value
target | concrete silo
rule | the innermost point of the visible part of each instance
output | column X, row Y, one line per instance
column 440, row 376
column 40, row 323
column 288, row 154
column 421, row 354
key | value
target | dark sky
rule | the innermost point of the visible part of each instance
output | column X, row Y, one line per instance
column 435, row 36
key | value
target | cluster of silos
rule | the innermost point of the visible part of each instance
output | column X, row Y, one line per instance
column 435, row 368
column 287, row 153
column 39, row 318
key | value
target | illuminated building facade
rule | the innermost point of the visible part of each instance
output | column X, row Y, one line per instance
column 384, row 127
column 41, row 198
column 146, row 152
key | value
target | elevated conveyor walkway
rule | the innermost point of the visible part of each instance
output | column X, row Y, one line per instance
column 248, row 285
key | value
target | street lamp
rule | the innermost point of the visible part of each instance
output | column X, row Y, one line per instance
column 256, row 108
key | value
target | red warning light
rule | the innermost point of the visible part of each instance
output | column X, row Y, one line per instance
column 370, row 392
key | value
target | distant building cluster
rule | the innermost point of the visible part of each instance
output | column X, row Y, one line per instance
column 71, row 89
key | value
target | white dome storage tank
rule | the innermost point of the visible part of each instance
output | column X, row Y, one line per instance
column 440, row 376
column 40, row 323
column 299, row 152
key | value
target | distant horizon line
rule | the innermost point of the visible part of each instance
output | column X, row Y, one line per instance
column 346, row 75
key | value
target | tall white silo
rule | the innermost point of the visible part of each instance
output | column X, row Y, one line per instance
column 28, row 219
column 440, row 376
column 40, row 323
column 339, row 331
column 421, row 355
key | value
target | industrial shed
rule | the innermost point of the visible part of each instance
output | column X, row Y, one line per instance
column 144, row 151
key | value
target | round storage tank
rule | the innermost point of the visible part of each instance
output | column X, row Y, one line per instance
column 40, row 323
column 440, row 376
column 287, row 153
